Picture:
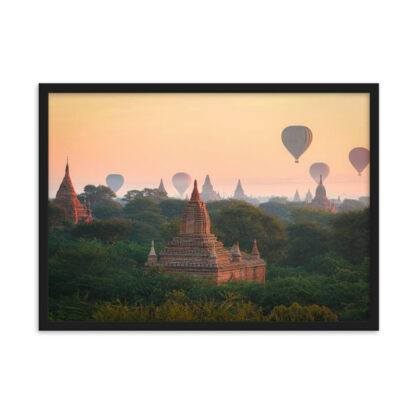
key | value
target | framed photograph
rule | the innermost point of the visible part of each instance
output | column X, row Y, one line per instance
column 208, row 207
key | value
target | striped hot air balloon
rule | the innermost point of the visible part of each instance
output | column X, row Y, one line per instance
column 296, row 140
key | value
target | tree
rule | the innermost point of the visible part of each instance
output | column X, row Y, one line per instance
column 306, row 240
column 94, row 194
column 351, row 205
column 278, row 209
column 351, row 235
column 107, row 208
column 56, row 216
column 138, row 206
column 170, row 229
column 243, row 222
column 149, row 193
column 108, row 231
column 301, row 214
column 172, row 208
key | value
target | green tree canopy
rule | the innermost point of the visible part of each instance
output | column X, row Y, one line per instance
column 56, row 216
column 307, row 240
column 172, row 208
column 94, row 194
column 351, row 235
column 244, row 222
column 108, row 231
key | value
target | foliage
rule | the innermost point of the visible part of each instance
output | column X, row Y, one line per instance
column 140, row 205
column 351, row 235
column 56, row 216
column 351, row 205
column 153, row 194
column 280, row 210
column 107, row 230
column 307, row 240
column 306, row 214
column 178, row 307
column 172, row 208
column 107, row 208
column 94, row 194
column 242, row 222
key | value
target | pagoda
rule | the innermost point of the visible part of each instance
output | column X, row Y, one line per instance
column 321, row 201
column 296, row 198
column 162, row 189
column 196, row 251
column 66, row 198
column 308, row 198
column 239, row 192
column 208, row 193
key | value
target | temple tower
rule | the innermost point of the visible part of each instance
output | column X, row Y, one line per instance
column 66, row 198
column 321, row 201
column 208, row 193
column 162, row 189
column 296, row 198
column 196, row 251
column 239, row 192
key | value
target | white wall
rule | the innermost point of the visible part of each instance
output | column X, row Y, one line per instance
column 206, row 373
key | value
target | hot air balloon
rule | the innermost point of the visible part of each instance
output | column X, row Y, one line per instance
column 319, row 169
column 114, row 181
column 359, row 158
column 181, row 182
column 296, row 139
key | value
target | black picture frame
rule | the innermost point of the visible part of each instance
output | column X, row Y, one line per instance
column 46, row 89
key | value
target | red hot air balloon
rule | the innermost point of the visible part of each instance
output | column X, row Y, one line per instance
column 296, row 139
column 181, row 182
column 319, row 169
column 359, row 158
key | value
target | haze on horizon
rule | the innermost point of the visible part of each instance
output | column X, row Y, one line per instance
column 146, row 137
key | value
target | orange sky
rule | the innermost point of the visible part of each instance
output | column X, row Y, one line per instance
column 146, row 137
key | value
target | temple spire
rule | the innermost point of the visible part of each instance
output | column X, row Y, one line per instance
column 152, row 257
column 320, row 179
column 195, row 193
column 255, row 251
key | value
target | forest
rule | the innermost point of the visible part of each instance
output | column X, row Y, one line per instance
column 318, row 265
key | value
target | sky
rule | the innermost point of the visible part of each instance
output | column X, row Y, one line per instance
column 146, row 137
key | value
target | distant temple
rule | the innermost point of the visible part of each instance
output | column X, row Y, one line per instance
column 66, row 198
column 321, row 201
column 308, row 198
column 195, row 251
column 296, row 198
column 208, row 193
column 239, row 192
column 162, row 189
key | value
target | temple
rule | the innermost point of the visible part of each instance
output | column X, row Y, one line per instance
column 195, row 251
column 239, row 192
column 308, row 198
column 162, row 189
column 66, row 198
column 321, row 201
column 208, row 193
column 296, row 198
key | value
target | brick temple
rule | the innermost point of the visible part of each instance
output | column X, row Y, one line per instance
column 321, row 201
column 66, row 198
column 195, row 251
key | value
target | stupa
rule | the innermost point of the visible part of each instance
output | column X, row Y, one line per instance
column 321, row 201
column 239, row 192
column 308, row 198
column 208, row 193
column 162, row 189
column 195, row 251
column 66, row 198
column 296, row 198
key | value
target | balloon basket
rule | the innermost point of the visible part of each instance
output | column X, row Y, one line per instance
column 296, row 161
